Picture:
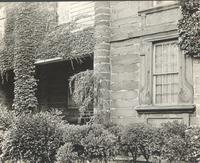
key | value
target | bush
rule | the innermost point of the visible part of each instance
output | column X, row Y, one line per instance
column 87, row 142
column 176, row 145
column 139, row 139
column 73, row 148
column 99, row 144
column 193, row 138
column 33, row 137
column 7, row 117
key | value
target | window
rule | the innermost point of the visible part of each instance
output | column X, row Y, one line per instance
column 165, row 72
column 84, row 11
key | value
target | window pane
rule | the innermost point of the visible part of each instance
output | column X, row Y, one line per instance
column 166, row 73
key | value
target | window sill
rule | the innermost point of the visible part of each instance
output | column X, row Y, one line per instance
column 165, row 109
column 158, row 9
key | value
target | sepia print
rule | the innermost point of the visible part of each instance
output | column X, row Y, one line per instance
column 100, row 81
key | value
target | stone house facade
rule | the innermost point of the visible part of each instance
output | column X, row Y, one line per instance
column 136, row 52
column 151, row 80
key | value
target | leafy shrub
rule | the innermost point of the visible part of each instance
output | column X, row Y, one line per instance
column 7, row 117
column 139, row 139
column 66, row 154
column 99, row 143
column 87, row 142
column 175, row 143
column 33, row 137
column 192, row 135
column 73, row 148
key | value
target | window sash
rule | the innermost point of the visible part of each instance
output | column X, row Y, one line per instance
column 169, row 75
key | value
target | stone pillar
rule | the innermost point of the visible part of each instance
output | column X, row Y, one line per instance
column 102, row 48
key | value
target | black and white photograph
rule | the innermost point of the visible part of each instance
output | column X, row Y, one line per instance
column 100, row 81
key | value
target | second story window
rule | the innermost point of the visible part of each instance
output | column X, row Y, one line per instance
column 165, row 73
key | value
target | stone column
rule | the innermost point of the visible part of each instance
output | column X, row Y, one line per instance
column 102, row 49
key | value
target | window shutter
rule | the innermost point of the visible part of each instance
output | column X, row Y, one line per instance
column 145, row 71
column 186, row 80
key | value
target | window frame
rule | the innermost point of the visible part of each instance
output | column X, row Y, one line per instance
column 153, row 73
column 186, row 95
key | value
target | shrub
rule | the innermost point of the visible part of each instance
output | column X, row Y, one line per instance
column 139, row 139
column 7, row 117
column 87, row 142
column 175, row 143
column 72, row 149
column 33, row 137
column 193, row 138
column 66, row 154
column 99, row 144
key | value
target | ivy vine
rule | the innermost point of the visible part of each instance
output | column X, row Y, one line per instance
column 189, row 27
column 63, row 42
column 32, row 32
column 31, row 26
column 7, row 53
column 87, row 92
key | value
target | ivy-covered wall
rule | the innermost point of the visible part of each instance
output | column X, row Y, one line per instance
column 61, row 42
column 7, row 53
column 32, row 33
column 31, row 25
column 189, row 27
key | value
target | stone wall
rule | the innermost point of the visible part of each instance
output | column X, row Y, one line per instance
column 195, row 118
column 134, row 26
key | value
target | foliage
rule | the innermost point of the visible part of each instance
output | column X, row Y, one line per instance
column 99, row 144
column 30, row 28
column 189, row 27
column 7, row 51
column 175, row 143
column 86, row 91
column 34, row 137
column 66, row 154
column 193, row 139
column 139, row 139
column 64, row 42
column 7, row 118
column 87, row 142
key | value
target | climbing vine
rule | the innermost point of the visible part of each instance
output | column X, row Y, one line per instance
column 189, row 27
column 63, row 42
column 7, row 52
column 88, row 93
column 32, row 32
column 31, row 26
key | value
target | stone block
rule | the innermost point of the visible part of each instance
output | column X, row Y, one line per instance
column 99, row 59
column 101, row 52
column 125, row 59
column 126, row 75
column 125, row 68
column 129, row 85
column 163, row 17
column 124, row 95
column 102, row 67
column 121, row 103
